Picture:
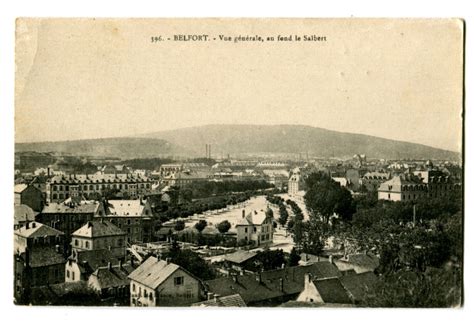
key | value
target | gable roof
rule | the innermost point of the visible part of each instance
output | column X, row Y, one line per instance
column 116, row 276
column 35, row 230
column 153, row 272
column 90, row 260
column 332, row 291
column 359, row 285
column 223, row 301
column 270, row 284
column 94, row 229
column 24, row 213
column 239, row 256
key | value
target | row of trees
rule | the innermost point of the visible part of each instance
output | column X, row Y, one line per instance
column 209, row 188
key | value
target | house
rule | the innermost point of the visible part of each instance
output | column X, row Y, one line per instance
column 308, row 259
column 81, row 264
column 75, row 294
column 23, row 214
column 28, row 195
column 38, row 257
column 70, row 215
column 372, row 180
column 360, row 263
column 161, row 283
column 132, row 216
column 256, row 227
column 98, row 235
column 270, row 288
column 347, row 289
column 112, row 282
column 221, row 301
column 295, row 182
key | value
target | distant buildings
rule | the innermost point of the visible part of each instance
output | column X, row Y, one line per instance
column 161, row 283
column 60, row 188
column 256, row 227
column 408, row 187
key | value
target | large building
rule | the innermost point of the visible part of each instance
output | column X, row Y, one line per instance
column 421, row 185
column 134, row 217
column 295, row 183
column 60, row 188
column 256, row 227
column 161, row 283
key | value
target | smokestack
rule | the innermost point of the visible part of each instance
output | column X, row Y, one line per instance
column 209, row 151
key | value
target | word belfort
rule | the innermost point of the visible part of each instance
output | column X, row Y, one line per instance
column 248, row 38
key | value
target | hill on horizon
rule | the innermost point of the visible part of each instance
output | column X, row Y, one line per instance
column 243, row 140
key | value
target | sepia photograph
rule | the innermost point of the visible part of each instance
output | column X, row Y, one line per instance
column 239, row 162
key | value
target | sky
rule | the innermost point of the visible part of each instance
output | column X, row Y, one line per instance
column 85, row 78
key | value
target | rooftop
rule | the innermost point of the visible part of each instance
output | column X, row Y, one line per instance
column 94, row 229
column 35, row 230
column 153, row 272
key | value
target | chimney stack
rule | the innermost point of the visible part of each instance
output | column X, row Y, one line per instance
column 209, row 151
column 33, row 225
column 120, row 264
column 109, row 265
column 58, row 249
column 331, row 259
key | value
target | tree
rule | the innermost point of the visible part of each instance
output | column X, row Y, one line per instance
column 179, row 225
column 223, row 226
column 293, row 258
column 326, row 197
column 193, row 263
column 201, row 225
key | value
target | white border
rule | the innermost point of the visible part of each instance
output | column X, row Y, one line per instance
column 207, row 8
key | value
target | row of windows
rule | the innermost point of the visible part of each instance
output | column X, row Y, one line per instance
column 99, row 187
column 71, row 273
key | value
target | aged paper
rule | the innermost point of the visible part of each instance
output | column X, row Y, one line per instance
column 154, row 124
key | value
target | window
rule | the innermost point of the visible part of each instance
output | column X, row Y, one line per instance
column 133, row 287
column 245, row 230
column 55, row 187
column 87, row 244
column 76, row 242
column 254, row 229
column 151, row 296
column 145, row 293
column 67, row 273
column 178, row 281
column 73, row 278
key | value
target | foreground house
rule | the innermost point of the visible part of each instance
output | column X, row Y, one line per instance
column 83, row 263
column 28, row 195
column 112, row 282
column 222, row 301
column 23, row 214
column 161, row 283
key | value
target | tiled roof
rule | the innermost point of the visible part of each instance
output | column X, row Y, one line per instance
column 52, row 294
column 269, row 284
column 24, row 213
column 359, row 285
column 153, row 272
column 224, row 301
column 98, row 229
column 90, row 260
column 368, row 261
column 35, row 229
column 116, row 276
column 395, row 184
column 332, row 291
column 83, row 207
column 239, row 256
column 44, row 256
column 125, row 208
